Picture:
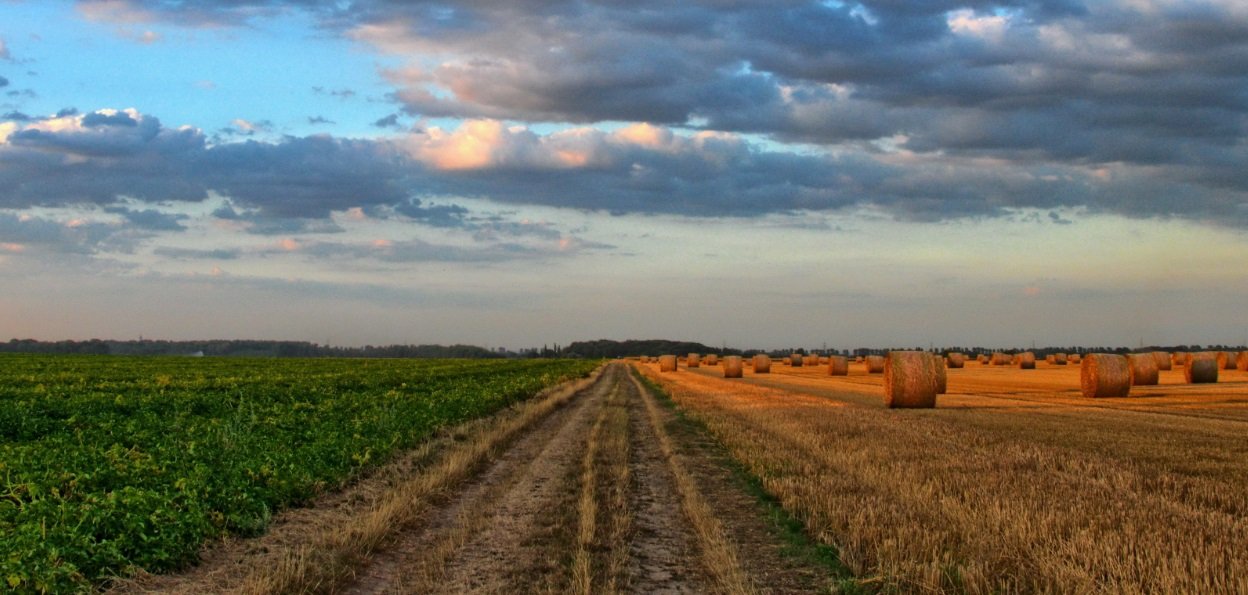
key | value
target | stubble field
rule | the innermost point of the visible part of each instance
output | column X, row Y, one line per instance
column 1013, row 483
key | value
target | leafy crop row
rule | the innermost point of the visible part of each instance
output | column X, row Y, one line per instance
column 109, row 464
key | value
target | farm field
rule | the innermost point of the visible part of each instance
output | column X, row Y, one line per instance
column 1013, row 483
column 110, row 465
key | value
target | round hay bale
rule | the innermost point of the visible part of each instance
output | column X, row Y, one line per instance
column 1179, row 358
column 693, row 361
column 1163, row 360
column 942, row 379
column 1226, row 360
column 811, row 361
column 795, row 360
column 1201, row 368
column 956, row 360
column 981, row 358
column 1241, row 361
column 1000, row 358
column 823, row 360
column 1105, row 375
column 733, row 367
column 762, row 364
column 1027, row 360
column 874, row 363
column 1073, row 358
column 667, row 363
column 1050, row 359
column 909, row 379
column 711, row 359
column 1143, row 369
column 838, row 366
column 1059, row 359
column 858, row 359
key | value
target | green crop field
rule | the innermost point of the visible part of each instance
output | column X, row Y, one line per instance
column 109, row 464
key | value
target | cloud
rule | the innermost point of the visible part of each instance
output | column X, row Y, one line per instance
column 4, row 51
column 390, row 121
column 28, row 234
column 150, row 219
column 415, row 250
column 1070, row 82
column 3, row 82
column 295, row 184
column 248, row 128
column 146, row 37
column 342, row 93
column 317, row 120
column 197, row 254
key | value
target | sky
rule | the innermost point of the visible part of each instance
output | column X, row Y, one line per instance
column 778, row 173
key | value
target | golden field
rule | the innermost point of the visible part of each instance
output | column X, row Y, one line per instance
column 1014, row 482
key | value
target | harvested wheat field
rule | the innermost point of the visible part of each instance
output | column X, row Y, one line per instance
column 594, row 487
column 1014, row 482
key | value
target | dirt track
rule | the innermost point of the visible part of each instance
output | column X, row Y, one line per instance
column 604, row 491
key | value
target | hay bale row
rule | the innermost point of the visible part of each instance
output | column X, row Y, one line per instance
column 667, row 363
column 1163, row 360
column 909, row 379
column 762, row 364
column 1201, row 368
column 1105, row 375
column 838, row 366
column 955, row 360
column 733, row 367
column 874, row 363
column 1226, row 360
column 1142, row 368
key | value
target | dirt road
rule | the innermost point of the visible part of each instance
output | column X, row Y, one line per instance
column 598, row 490
column 596, row 498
